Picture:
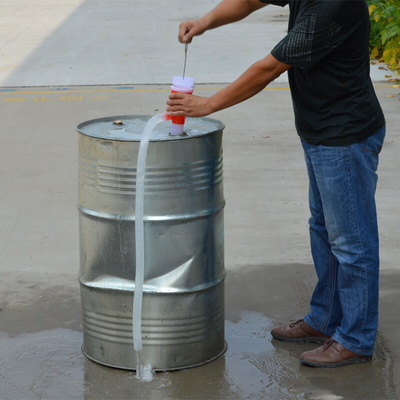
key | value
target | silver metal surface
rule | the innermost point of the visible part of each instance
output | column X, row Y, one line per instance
column 183, row 301
column 184, row 63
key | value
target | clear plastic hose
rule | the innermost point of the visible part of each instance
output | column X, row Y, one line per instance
column 139, row 230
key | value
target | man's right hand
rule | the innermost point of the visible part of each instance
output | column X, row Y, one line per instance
column 188, row 29
column 226, row 12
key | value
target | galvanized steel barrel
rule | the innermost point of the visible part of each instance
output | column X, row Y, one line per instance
column 183, row 300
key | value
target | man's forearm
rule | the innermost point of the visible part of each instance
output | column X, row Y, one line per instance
column 228, row 11
column 251, row 82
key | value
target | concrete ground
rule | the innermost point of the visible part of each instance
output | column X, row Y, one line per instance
column 66, row 62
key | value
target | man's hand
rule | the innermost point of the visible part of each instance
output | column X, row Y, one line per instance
column 226, row 12
column 189, row 105
column 188, row 29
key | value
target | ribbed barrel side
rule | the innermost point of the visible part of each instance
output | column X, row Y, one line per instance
column 183, row 305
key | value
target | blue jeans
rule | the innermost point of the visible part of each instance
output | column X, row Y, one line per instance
column 344, row 241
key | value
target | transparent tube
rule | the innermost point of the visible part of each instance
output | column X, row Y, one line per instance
column 139, row 240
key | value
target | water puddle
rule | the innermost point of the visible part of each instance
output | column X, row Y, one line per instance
column 50, row 365
column 46, row 364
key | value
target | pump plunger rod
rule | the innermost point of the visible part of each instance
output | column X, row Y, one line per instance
column 184, row 65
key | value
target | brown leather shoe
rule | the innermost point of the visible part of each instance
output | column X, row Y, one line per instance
column 332, row 354
column 298, row 331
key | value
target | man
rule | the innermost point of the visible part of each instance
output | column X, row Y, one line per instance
column 341, row 128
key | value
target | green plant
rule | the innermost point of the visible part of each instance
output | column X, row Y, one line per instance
column 385, row 32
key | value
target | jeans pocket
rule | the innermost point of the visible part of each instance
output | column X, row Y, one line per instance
column 371, row 158
column 371, row 147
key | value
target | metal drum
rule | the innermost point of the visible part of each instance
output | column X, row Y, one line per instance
column 183, row 299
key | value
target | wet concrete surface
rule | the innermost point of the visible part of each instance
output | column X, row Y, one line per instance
column 270, row 276
column 42, row 358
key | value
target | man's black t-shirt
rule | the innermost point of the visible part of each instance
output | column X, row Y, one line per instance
column 328, row 47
